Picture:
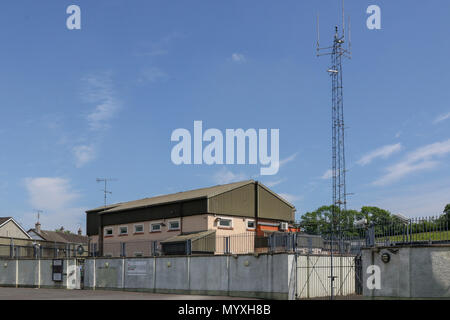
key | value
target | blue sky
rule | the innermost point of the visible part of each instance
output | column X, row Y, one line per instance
column 103, row 101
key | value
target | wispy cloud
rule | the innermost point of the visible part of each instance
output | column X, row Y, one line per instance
column 100, row 91
column 288, row 159
column 290, row 197
column 152, row 74
column 274, row 183
column 238, row 57
column 83, row 154
column 54, row 195
column 159, row 47
column 383, row 152
column 224, row 176
column 421, row 159
column 441, row 118
column 327, row 175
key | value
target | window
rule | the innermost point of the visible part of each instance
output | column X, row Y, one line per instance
column 155, row 227
column 174, row 225
column 138, row 254
column 138, row 228
column 108, row 231
column 251, row 224
column 225, row 223
column 123, row 231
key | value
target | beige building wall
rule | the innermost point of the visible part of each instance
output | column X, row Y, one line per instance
column 11, row 230
column 238, row 239
column 140, row 243
column 241, row 238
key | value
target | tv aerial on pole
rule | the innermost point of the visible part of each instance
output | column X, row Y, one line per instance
column 337, row 51
column 38, row 212
column 105, row 190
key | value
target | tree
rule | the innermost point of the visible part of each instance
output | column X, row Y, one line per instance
column 319, row 221
column 447, row 210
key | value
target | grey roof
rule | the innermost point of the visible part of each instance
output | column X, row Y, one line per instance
column 174, row 197
column 4, row 219
column 189, row 236
column 57, row 236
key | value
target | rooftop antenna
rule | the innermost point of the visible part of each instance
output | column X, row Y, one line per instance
column 38, row 214
column 105, row 190
column 337, row 52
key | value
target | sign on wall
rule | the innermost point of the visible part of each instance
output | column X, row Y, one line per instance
column 136, row 268
column 57, row 270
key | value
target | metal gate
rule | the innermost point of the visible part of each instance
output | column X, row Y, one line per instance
column 314, row 277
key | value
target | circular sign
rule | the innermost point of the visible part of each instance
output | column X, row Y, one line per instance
column 385, row 257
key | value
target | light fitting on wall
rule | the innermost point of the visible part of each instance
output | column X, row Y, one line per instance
column 385, row 257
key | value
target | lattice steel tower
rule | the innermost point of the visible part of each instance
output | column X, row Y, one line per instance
column 337, row 52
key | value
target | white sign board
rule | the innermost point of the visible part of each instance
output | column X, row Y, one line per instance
column 136, row 268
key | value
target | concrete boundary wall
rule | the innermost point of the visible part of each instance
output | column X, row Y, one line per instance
column 254, row 276
column 412, row 272
column 263, row 276
column 32, row 273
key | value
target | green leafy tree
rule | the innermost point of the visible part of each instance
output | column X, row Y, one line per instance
column 447, row 210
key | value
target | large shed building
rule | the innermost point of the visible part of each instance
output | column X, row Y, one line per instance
column 205, row 217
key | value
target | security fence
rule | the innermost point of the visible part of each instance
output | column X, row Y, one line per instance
column 347, row 241
column 423, row 230
column 22, row 248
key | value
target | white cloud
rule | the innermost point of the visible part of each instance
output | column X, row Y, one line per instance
column 383, row 152
column 55, row 197
column 83, row 154
column 288, row 159
column 100, row 92
column 441, row 118
column 153, row 74
column 290, row 197
column 158, row 48
column 272, row 184
column 225, row 176
column 238, row 57
column 327, row 175
column 418, row 160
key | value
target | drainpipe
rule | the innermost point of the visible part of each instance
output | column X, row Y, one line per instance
column 100, row 235
column 256, row 214
column 256, row 204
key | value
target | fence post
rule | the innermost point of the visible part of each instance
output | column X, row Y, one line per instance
column 123, row 249
column 227, row 245
column 370, row 237
column 188, row 247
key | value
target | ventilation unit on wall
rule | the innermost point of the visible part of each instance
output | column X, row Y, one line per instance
column 284, row 226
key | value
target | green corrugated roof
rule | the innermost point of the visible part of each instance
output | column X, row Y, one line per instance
column 189, row 236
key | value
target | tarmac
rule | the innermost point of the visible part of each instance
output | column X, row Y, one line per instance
column 64, row 294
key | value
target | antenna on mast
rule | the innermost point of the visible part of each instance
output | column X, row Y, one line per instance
column 38, row 214
column 343, row 20
column 318, row 34
column 105, row 190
